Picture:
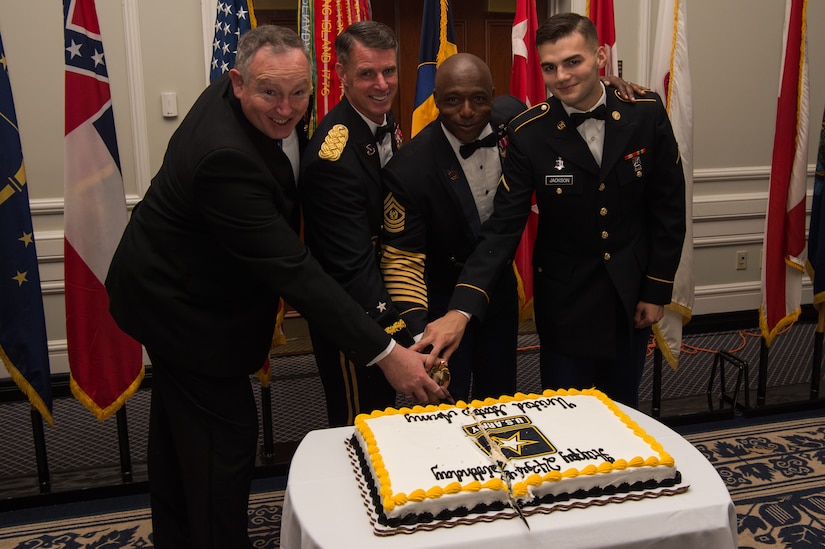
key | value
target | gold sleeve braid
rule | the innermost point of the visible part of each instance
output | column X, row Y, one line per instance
column 403, row 273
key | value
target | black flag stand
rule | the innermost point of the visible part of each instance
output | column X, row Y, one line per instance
column 43, row 479
column 816, row 369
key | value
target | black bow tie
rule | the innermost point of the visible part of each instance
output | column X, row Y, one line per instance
column 468, row 149
column 599, row 113
column 381, row 131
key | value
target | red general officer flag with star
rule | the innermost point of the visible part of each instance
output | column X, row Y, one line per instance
column 601, row 13
column 106, row 364
column 526, row 83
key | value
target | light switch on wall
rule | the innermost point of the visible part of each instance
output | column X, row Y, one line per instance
column 169, row 104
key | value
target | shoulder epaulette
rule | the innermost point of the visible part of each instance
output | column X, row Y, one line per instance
column 533, row 113
column 334, row 143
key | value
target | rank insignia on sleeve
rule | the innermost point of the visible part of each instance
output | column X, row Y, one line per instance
column 394, row 215
column 334, row 143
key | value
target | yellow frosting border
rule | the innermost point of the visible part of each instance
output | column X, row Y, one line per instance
column 391, row 500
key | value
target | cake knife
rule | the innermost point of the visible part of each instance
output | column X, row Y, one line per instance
column 499, row 459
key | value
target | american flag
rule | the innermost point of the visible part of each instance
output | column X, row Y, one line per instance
column 234, row 18
column 105, row 363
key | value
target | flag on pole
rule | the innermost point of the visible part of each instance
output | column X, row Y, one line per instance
column 601, row 13
column 527, row 84
column 23, row 345
column 319, row 23
column 105, row 363
column 816, row 238
column 233, row 18
column 670, row 78
column 783, row 258
column 437, row 44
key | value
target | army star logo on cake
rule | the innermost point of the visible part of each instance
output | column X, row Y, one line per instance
column 517, row 437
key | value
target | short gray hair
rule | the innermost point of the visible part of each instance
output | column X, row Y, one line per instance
column 278, row 39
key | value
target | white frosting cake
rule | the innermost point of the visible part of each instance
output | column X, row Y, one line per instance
column 432, row 465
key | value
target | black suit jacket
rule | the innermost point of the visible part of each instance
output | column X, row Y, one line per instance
column 212, row 246
column 342, row 197
column 431, row 226
column 608, row 237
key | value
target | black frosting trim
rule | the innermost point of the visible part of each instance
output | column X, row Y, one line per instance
column 447, row 514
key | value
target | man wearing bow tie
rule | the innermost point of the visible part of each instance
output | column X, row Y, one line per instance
column 440, row 190
column 341, row 197
column 610, row 192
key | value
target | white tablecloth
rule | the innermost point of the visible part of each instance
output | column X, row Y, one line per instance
column 323, row 509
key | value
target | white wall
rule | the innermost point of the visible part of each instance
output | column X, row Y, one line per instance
column 155, row 46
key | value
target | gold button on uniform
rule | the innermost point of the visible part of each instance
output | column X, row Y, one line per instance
column 604, row 235
column 603, row 212
column 601, row 186
column 607, row 256
column 558, row 190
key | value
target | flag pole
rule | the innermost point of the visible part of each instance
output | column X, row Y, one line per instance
column 123, row 445
column 816, row 370
column 762, row 377
column 43, row 480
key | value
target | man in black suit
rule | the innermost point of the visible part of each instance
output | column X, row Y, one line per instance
column 197, row 278
column 610, row 192
column 439, row 191
column 342, row 198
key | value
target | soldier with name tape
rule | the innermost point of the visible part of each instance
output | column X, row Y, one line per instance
column 609, row 188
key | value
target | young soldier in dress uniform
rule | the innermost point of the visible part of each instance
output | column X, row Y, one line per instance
column 610, row 192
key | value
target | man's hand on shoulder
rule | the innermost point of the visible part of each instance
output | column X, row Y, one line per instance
column 627, row 90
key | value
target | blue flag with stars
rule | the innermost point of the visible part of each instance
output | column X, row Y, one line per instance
column 23, row 345
column 234, row 18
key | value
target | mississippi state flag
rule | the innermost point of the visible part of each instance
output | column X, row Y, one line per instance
column 784, row 258
column 105, row 363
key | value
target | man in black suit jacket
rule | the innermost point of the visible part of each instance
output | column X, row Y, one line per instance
column 610, row 192
column 197, row 278
column 341, row 197
column 439, row 191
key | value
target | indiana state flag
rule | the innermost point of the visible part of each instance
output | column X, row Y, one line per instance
column 233, row 19
column 437, row 44
column 23, row 345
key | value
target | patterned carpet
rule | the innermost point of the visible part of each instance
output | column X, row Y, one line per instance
column 775, row 473
column 94, row 527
